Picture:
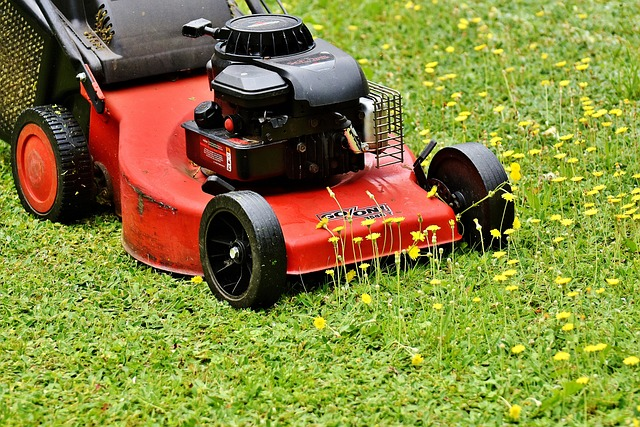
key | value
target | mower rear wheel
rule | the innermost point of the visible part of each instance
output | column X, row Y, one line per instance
column 51, row 164
column 242, row 250
column 472, row 180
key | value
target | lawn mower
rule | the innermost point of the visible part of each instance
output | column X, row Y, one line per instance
column 232, row 145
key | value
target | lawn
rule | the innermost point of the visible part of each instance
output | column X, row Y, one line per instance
column 542, row 332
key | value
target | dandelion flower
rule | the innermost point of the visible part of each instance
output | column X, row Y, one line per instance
column 613, row 281
column 323, row 223
column 517, row 349
column 562, row 280
column 319, row 323
column 511, row 288
column 196, row 280
column 515, row 174
column 567, row 327
column 631, row 361
column 561, row 355
column 563, row 315
column 499, row 254
column 417, row 359
column 368, row 222
column 373, row 236
column 413, row 252
column 509, row 197
column 366, row 298
column 514, row 412
column 437, row 306
column 476, row 299
column 582, row 380
column 595, row 348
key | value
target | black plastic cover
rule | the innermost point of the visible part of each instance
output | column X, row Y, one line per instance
column 322, row 76
column 248, row 84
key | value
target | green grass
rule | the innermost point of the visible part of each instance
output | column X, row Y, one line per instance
column 91, row 337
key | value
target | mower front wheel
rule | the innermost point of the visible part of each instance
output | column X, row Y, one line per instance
column 242, row 250
column 51, row 164
column 471, row 179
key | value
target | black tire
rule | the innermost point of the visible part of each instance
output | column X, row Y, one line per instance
column 242, row 250
column 51, row 164
column 466, row 174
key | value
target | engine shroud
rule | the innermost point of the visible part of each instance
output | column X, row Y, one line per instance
column 284, row 105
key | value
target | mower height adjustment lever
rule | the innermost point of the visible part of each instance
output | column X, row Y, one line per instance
column 421, row 177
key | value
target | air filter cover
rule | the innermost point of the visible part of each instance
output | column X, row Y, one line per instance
column 266, row 35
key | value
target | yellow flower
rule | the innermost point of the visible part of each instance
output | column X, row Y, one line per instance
column 319, row 323
column 357, row 240
column 433, row 192
column 373, row 236
column 351, row 274
column 334, row 239
column 567, row 327
column 511, row 288
column 495, row 233
column 561, row 355
column 499, row 254
column 413, row 252
column 417, row 359
column 631, row 360
column 500, row 278
column 514, row 412
column 517, row 349
column 437, row 306
column 563, row 315
column 613, row 281
column 515, row 172
column 582, row 380
column 622, row 129
column 516, row 223
column 366, row 298
column 560, row 64
column 562, row 280
column 323, row 223
column 433, row 228
column 509, row 197
column 196, row 280
column 498, row 109
column 594, row 348
column 368, row 222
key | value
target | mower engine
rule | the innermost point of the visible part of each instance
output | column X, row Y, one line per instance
column 287, row 105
